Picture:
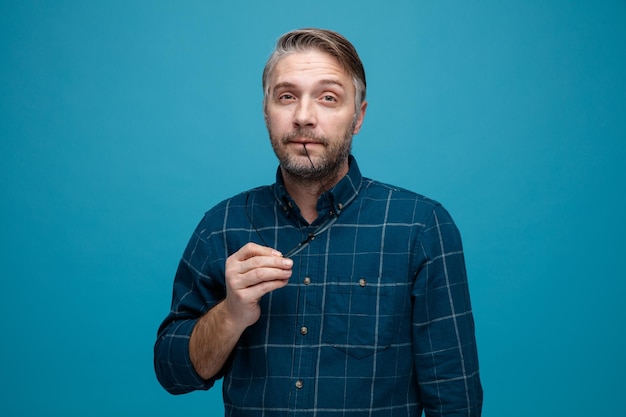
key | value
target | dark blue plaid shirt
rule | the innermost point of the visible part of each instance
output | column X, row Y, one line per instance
column 375, row 321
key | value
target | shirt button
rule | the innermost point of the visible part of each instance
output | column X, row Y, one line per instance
column 307, row 281
column 299, row 384
column 303, row 330
column 362, row 282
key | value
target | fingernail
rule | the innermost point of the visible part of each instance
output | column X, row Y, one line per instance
column 287, row 262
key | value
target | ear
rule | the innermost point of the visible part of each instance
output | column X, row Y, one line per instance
column 360, row 117
column 265, row 116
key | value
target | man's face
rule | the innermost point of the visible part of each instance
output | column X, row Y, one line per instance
column 311, row 104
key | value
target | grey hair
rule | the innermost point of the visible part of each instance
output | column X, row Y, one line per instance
column 325, row 41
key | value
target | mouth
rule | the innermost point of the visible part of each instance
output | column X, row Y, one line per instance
column 304, row 142
column 303, row 138
column 305, row 147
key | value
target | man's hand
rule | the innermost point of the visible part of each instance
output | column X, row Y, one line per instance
column 252, row 272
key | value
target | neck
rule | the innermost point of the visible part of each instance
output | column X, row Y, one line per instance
column 306, row 192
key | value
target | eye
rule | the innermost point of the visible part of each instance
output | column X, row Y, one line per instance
column 285, row 97
column 329, row 100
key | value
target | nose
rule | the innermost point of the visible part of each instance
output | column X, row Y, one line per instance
column 304, row 114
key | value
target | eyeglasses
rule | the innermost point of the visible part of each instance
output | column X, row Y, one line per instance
column 306, row 242
column 320, row 229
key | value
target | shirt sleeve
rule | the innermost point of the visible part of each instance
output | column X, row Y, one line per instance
column 445, row 353
column 196, row 290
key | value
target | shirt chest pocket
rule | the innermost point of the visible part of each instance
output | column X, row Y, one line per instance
column 359, row 316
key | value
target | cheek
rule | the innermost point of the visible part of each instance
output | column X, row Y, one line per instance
column 343, row 125
column 277, row 121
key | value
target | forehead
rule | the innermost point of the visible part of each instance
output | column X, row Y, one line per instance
column 309, row 67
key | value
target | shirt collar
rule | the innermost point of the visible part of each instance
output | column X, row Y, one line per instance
column 334, row 200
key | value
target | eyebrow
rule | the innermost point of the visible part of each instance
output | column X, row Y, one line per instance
column 324, row 82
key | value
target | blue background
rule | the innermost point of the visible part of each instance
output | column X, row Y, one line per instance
column 121, row 122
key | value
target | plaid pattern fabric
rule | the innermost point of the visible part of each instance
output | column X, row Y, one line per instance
column 376, row 319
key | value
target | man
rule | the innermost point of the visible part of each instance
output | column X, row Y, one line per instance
column 326, row 293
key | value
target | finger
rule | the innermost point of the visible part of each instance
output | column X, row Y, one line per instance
column 251, row 249
column 262, row 269
column 256, row 283
column 247, row 297
column 262, row 288
column 251, row 271
column 261, row 262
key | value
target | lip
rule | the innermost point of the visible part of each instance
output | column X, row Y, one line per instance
column 304, row 142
